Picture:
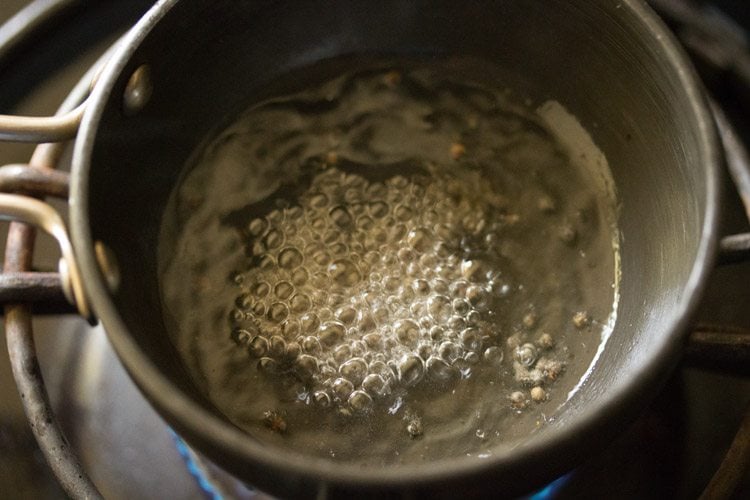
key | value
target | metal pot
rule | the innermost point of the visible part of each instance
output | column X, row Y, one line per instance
column 187, row 66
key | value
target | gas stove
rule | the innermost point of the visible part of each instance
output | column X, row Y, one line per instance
column 672, row 450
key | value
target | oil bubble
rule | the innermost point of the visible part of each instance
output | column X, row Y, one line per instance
column 273, row 239
column 277, row 347
column 309, row 323
column 342, row 353
column 526, row 354
column 471, row 339
column 421, row 287
column 410, row 370
column 331, row 333
column 346, row 314
column 283, row 290
column 278, row 312
column 373, row 340
column 306, row 366
column 375, row 385
column 344, row 272
column 257, row 347
column 439, row 308
column 449, row 351
column 407, row 331
column 322, row 399
column 354, row 370
column 268, row 366
column 257, row 226
column 261, row 289
column 311, row 345
column 378, row 209
column 440, row 371
column 290, row 329
column 360, row 401
column 419, row 239
column 341, row 217
column 299, row 277
column 300, row 303
column 293, row 350
column 342, row 388
column 241, row 337
column 290, row 258
column 493, row 355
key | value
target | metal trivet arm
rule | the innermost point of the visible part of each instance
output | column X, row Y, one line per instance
column 727, row 346
column 24, row 363
column 23, row 288
column 23, row 292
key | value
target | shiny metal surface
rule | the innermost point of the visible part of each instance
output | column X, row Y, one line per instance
column 138, row 90
column 721, row 348
column 40, row 129
column 123, row 444
column 15, row 178
column 18, row 333
column 22, row 351
column 35, row 212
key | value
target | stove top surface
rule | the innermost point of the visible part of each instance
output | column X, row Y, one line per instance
column 672, row 450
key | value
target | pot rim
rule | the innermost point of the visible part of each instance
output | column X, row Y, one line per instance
column 189, row 416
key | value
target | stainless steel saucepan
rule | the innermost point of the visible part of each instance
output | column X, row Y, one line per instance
column 188, row 65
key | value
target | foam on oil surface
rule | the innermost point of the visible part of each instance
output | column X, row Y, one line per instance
column 361, row 287
column 389, row 266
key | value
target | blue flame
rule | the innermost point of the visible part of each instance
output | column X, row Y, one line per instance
column 204, row 483
column 551, row 490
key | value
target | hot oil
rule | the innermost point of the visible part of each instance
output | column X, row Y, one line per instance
column 397, row 264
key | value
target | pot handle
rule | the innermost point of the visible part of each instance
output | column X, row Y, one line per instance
column 41, row 129
column 32, row 211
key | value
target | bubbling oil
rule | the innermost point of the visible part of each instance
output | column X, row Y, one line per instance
column 401, row 257
column 362, row 287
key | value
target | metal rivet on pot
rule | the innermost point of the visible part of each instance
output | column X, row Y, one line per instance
column 138, row 90
column 108, row 265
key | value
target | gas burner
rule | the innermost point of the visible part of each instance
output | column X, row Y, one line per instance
column 110, row 434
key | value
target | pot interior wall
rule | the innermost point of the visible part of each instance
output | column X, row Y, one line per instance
column 209, row 58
